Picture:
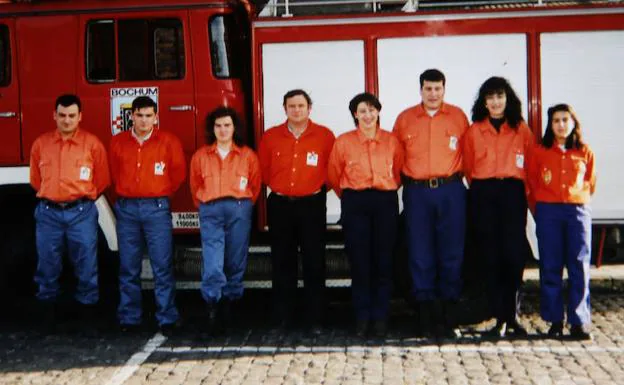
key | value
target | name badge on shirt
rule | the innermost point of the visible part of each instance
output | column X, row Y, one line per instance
column 520, row 160
column 159, row 168
column 453, row 143
column 312, row 159
column 85, row 173
column 243, row 183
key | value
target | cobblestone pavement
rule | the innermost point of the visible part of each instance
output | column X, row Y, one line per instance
column 252, row 354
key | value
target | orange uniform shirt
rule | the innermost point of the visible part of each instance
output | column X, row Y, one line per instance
column 66, row 170
column 432, row 144
column 357, row 162
column 492, row 154
column 556, row 176
column 238, row 175
column 295, row 167
column 155, row 168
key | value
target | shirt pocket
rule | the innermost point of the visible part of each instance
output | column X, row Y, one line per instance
column 83, row 169
column 45, row 169
column 355, row 168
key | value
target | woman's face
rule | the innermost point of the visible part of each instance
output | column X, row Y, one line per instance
column 367, row 116
column 562, row 125
column 495, row 104
column 224, row 129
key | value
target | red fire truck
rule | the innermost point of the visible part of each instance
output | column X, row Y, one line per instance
column 193, row 55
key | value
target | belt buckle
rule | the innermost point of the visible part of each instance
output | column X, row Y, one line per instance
column 433, row 183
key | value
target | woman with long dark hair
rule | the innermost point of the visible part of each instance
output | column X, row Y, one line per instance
column 496, row 149
column 225, row 182
column 562, row 180
column 364, row 170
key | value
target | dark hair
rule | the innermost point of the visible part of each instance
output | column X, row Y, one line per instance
column 221, row 112
column 144, row 102
column 364, row 97
column 67, row 100
column 297, row 92
column 574, row 140
column 432, row 75
column 513, row 107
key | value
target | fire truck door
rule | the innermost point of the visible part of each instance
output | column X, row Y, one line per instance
column 9, row 96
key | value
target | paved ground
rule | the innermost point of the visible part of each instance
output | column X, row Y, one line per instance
column 252, row 354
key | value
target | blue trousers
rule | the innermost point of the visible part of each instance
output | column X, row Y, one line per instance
column 140, row 222
column 224, row 225
column 370, row 220
column 436, row 226
column 75, row 228
column 499, row 213
column 564, row 239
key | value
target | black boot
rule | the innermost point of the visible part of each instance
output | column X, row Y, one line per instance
column 49, row 317
column 451, row 331
column 556, row 330
column 498, row 331
column 424, row 316
column 225, row 317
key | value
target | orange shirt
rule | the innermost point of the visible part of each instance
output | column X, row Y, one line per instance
column 357, row 162
column 492, row 154
column 155, row 168
column 70, row 169
column 295, row 167
column 238, row 175
column 432, row 144
column 562, row 177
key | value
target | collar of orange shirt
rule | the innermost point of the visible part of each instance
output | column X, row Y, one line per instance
column 421, row 111
column 76, row 137
column 143, row 139
column 212, row 148
column 363, row 138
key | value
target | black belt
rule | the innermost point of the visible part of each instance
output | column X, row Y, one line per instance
column 296, row 198
column 64, row 205
column 432, row 182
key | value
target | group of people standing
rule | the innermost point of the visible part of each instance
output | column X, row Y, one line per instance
column 432, row 151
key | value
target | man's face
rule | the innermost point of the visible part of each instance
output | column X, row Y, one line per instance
column 432, row 94
column 67, row 118
column 297, row 109
column 143, row 120
column 224, row 129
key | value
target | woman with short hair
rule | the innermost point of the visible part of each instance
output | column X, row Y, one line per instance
column 364, row 170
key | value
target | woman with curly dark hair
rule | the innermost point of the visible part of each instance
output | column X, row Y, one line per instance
column 225, row 183
column 562, row 180
column 496, row 148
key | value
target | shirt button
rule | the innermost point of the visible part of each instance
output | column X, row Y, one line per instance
column 293, row 169
column 295, row 155
column 562, row 186
column 139, row 164
column 292, row 184
column 139, row 150
column 563, row 171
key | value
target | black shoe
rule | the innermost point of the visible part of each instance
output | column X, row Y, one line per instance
column 49, row 317
column 380, row 328
column 515, row 329
column 315, row 330
column 129, row 328
column 451, row 333
column 361, row 328
column 168, row 329
column 498, row 331
column 556, row 330
column 580, row 333
column 212, row 315
column 423, row 320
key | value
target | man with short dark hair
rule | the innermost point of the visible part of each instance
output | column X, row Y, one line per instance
column 293, row 160
column 69, row 170
column 434, row 200
column 147, row 167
